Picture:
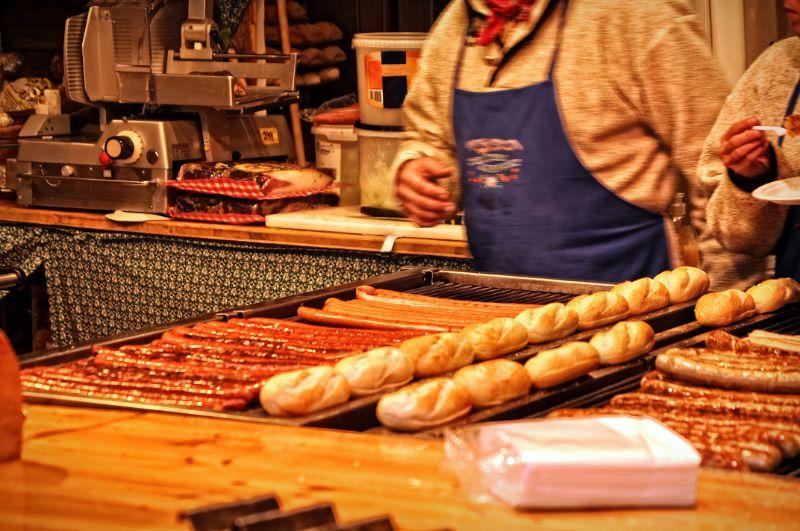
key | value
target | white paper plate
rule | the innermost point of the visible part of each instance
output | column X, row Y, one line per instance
column 783, row 192
column 120, row 216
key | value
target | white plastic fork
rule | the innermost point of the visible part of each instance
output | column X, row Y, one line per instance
column 780, row 131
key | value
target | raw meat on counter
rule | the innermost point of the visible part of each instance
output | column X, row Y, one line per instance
column 252, row 180
column 212, row 365
column 247, row 192
column 737, row 401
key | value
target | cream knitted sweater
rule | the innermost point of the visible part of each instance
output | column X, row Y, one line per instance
column 637, row 89
column 739, row 221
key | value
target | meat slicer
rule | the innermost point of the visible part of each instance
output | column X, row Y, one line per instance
column 167, row 94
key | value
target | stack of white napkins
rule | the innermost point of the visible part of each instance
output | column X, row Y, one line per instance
column 613, row 461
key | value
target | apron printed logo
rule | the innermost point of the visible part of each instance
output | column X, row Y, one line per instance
column 494, row 163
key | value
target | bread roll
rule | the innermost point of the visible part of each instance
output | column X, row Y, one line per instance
column 495, row 338
column 297, row 393
column 376, row 371
column 772, row 294
column 423, row 405
column 792, row 289
column 768, row 295
column 643, row 295
column 623, row 342
column 724, row 307
column 494, row 381
column 598, row 309
column 435, row 354
column 552, row 367
column 549, row 322
column 684, row 283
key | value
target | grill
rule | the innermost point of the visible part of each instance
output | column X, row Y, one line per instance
column 359, row 414
column 674, row 327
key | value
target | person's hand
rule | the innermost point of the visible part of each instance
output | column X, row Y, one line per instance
column 425, row 202
column 744, row 150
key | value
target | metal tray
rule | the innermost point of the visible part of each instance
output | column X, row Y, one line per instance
column 359, row 414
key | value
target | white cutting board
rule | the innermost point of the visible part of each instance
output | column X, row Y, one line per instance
column 350, row 220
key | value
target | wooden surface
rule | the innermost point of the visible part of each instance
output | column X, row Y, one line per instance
column 94, row 469
column 11, row 212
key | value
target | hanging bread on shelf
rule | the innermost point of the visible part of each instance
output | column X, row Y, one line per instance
column 295, row 12
column 306, row 34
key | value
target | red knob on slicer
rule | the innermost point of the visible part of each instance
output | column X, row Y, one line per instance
column 105, row 160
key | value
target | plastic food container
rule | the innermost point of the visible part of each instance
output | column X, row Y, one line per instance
column 386, row 65
column 337, row 150
column 377, row 147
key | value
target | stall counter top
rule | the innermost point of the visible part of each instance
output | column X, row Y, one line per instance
column 111, row 469
column 14, row 213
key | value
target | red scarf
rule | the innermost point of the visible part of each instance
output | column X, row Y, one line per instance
column 502, row 12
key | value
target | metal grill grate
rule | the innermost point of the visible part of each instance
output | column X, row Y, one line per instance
column 468, row 292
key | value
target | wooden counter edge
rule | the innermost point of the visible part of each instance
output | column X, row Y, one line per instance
column 12, row 213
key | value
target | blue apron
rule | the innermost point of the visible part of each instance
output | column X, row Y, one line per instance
column 530, row 206
column 787, row 250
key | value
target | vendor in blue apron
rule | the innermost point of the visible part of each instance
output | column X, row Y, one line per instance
column 531, row 206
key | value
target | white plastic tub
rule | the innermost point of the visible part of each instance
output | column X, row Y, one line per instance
column 337, row 150
column 386, row 64
column 376, row 151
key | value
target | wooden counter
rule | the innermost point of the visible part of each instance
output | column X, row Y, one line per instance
column 93, row 469
column 11, row 212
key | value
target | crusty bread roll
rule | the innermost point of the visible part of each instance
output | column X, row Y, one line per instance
column 494, row 381
column 684, row 283
column 643, row 295
column 552, row 367
column 769, row 295
column 598, row 309
column 435, row 354
column 792, row 289
column 376, row 371
column 297, row 393
column 495, row 338
column 423, row 405
column 772, row 294
column 623, row 341
column 549, row 322
column 724, row 307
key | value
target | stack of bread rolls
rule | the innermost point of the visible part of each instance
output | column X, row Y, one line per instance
column 497, row 381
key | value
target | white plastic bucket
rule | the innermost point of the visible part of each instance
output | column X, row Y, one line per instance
column 386, row 64
column 337, row 150
column 376, row 152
